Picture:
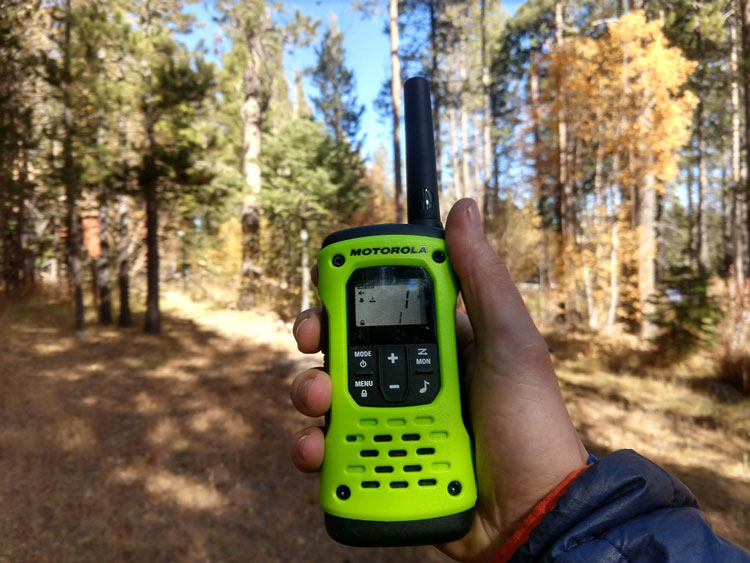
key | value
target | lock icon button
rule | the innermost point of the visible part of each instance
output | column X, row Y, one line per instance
column 363, row 394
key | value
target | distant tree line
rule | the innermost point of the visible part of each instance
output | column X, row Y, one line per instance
column 115, row 138
column 606, row 143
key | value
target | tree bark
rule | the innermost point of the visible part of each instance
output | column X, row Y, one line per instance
column 436, row 91
column 149, row 183
column 71, row 181
column 124, row 228
column 102, row 261
column 464, row 121
column 745, row 14
column 4, row 242
column 701, row 238
column 737, row 207
column 251, row 211
column 20, row 277
column 539, row 195
column 565, row 205
column 690, row 216
column 396, row 104
column 647, row 254
column 458, row 188
column 614, row 276
column 486, row 113
column 253, row 113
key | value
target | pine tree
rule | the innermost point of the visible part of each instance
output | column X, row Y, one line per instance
column 337, row 99
column 173, row 86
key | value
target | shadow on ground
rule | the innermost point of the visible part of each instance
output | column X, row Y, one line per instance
column 125, row 447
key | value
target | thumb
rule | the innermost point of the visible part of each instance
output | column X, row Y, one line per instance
column 492, row 300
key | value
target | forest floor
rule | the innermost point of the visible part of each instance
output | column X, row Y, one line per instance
column 117, row 446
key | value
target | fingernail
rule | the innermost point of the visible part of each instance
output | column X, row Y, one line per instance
column 472, row 213
column 299, row 325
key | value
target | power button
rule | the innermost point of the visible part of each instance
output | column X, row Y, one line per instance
column 363, row 360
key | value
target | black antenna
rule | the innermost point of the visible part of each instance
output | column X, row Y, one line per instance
column 422, row 203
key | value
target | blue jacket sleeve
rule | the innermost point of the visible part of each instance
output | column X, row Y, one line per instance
column 625, row 508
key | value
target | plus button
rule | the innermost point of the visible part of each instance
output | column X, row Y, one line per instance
column 392, row 358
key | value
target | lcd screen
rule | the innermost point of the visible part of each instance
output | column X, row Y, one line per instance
column 399, row 303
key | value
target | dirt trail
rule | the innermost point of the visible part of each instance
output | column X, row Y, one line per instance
column 125, row 447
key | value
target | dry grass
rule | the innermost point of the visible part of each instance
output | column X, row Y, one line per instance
column 681, row 416
column 123, row 447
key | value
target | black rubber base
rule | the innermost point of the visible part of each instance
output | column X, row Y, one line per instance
column 369, row 533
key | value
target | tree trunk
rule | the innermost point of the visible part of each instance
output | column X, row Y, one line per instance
column 251, row 211
column 727, row 213
column 565, row 210
column 745, row 12
column 486, row 112
column 458, row 188
column 71, row 182
column 464, row 122
column 539, row 195
column 103, row 283
column 646, row 233
column 737, row 208
column 396, row 103
column 701, row 238
column 690, row 216
column 253, row 113
column 20, row 275
column 4, row 242
column 124, row 227
column 305, row 267
column 436, row 91
column 149, row 183
column 614, row 276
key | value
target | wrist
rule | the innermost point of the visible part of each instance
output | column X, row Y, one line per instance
column 522, row 530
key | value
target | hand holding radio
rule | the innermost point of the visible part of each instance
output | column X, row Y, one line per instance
column 525, row 441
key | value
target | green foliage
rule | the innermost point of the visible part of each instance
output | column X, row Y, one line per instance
column 308, row 177
column 311, row 183
column 686, row 314
column 337, row 99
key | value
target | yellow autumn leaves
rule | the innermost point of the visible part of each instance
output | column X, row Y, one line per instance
column 624, row 91
column 627, row 113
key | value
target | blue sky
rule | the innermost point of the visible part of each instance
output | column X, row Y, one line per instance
column 366, row 48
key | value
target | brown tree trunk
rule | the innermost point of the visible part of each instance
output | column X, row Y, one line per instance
column 149, row 183
column 745, row 14
column 435, row 87
column 565, row 205
column 251, row 211
column 71, row 182
column 4, row 242
column 737, row 207
column 701, row 238
column 458, row 188
column 486, row 113
column 646, row 210
column 20, row 271
column 253, row 113
column 690, row 215
column 103, row 282
column 539, row 194
column 124, row 228
column 463, row 118
column 396, row 104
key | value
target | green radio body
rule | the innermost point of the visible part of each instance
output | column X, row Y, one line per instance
column 398, row 466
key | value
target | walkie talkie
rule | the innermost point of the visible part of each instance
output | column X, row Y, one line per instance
column 398, row 466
